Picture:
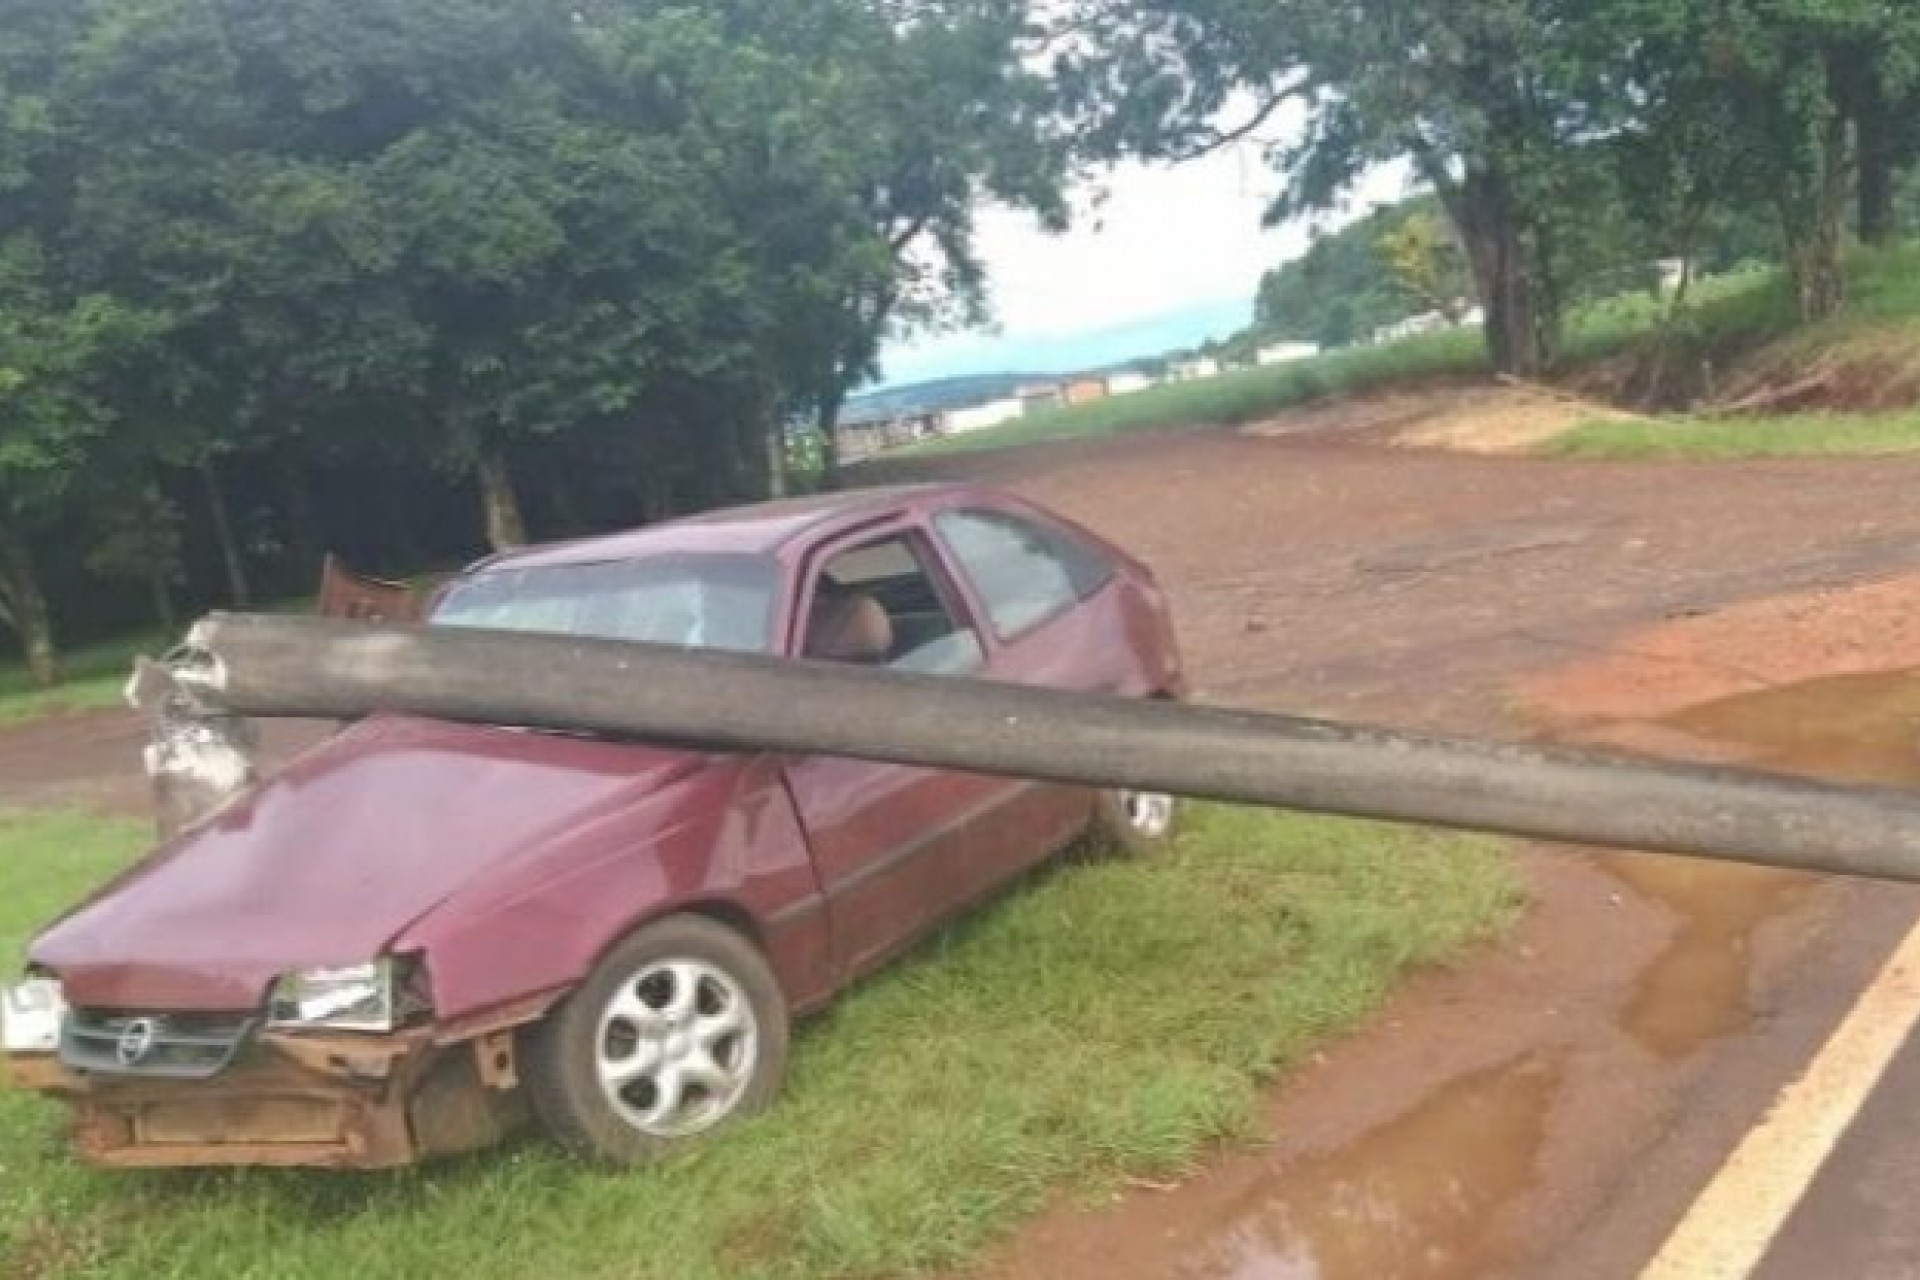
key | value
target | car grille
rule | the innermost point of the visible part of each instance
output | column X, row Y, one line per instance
column 171, row 1046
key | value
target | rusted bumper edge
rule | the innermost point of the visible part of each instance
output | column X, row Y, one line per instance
column 336, row 1102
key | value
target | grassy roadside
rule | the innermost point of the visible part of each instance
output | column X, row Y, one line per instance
column 1113, row 1019
column 1867, row 359
column 1790, row 436
column 1730, row 310
column 92, row 677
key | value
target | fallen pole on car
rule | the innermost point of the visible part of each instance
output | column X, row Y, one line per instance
column 273, row 666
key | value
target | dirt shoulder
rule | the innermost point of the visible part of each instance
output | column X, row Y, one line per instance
column 1492, row 419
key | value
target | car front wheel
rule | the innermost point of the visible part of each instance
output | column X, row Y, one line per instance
column 680, row 1028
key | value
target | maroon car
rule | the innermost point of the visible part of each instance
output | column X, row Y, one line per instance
column 420, row 931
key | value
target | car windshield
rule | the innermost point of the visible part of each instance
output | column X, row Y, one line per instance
column 697, row 601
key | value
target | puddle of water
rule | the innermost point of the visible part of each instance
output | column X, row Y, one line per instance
column 1850, row 728
column 1416, row 1198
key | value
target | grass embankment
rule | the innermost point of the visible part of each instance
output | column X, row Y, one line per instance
column 1787, row 436
column 1727, row 310
column 1113, row 1019
column 1861, row 369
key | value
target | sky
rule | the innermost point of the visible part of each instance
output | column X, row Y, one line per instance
column 1171, row 256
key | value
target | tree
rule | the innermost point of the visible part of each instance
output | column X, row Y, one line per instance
column 1482, row 96
column 61, row 344
column 573, row 264
column 914, row 113
column 1800, row 95
column 1425, row 261
column 1344, row 287
column 140, row 542
column 54, row 358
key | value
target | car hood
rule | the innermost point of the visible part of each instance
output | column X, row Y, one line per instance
column 331, row 859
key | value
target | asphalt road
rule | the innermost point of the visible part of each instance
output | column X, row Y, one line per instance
column 1858, row 1219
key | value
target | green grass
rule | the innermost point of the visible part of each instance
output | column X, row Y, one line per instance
column 1790, row 436
column 1113, row 1019
column 91, row 677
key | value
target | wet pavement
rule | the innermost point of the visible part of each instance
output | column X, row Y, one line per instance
column 1856, row 1220
column 1431, row 1193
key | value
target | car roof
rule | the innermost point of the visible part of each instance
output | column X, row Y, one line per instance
column 766, row 528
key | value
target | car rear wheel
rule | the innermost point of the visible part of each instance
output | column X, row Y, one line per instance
column 1136, row 822
column 679, row 1029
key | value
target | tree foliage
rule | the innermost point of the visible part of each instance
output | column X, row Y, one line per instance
column 582, row 262
column 1546, row 128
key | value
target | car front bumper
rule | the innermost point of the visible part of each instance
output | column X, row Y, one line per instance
column 339, row 1102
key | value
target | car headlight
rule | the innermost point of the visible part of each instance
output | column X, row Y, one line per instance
column 355, row 998
column 30, row 1016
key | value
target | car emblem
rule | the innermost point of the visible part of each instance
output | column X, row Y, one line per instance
column 136, row 1042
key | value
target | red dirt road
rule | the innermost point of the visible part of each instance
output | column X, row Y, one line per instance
column 1549, row 1108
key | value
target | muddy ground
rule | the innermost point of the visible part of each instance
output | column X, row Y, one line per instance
column 1549, row 1106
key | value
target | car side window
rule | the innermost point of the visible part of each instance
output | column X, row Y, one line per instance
column 1024, row 574
column 878, row 605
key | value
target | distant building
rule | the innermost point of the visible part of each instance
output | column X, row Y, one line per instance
column 1286, row 352
column 1040, row 396
column 1126, row 383
column 1413, row 326
column 981, row 416
column 863, row 434
column 1673, row 272
column 1195, row 369
column 1086, row 390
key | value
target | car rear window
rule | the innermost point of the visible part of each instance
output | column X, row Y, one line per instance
column 693, row 601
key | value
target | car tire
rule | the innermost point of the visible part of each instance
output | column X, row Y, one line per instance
column 679, row 1029
column 1135, row 823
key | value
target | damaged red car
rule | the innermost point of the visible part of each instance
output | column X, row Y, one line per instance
column 421, row 933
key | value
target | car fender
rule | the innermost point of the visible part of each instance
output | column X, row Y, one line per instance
column 724, row 842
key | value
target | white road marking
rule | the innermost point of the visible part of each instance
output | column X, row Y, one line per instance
column 1727, row 1232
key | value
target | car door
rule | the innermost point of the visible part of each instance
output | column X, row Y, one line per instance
column 1031, row 586
column 891, row 844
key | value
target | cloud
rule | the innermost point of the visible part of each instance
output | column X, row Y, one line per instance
column 1151, row 240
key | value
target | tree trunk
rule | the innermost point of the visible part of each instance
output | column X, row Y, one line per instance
column 827, row 424
column 230, row 557
column 1857, row 86
column 1878, row 221
column 1505, row 274
column 161, row 594
column 304, row 534
column 1815, row 226
column 506, row 527
column 24, row 606
column 776, row 446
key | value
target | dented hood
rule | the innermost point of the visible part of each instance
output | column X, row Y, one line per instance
column 327, row 862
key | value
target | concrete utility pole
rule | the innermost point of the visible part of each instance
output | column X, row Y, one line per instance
column 307, row 667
